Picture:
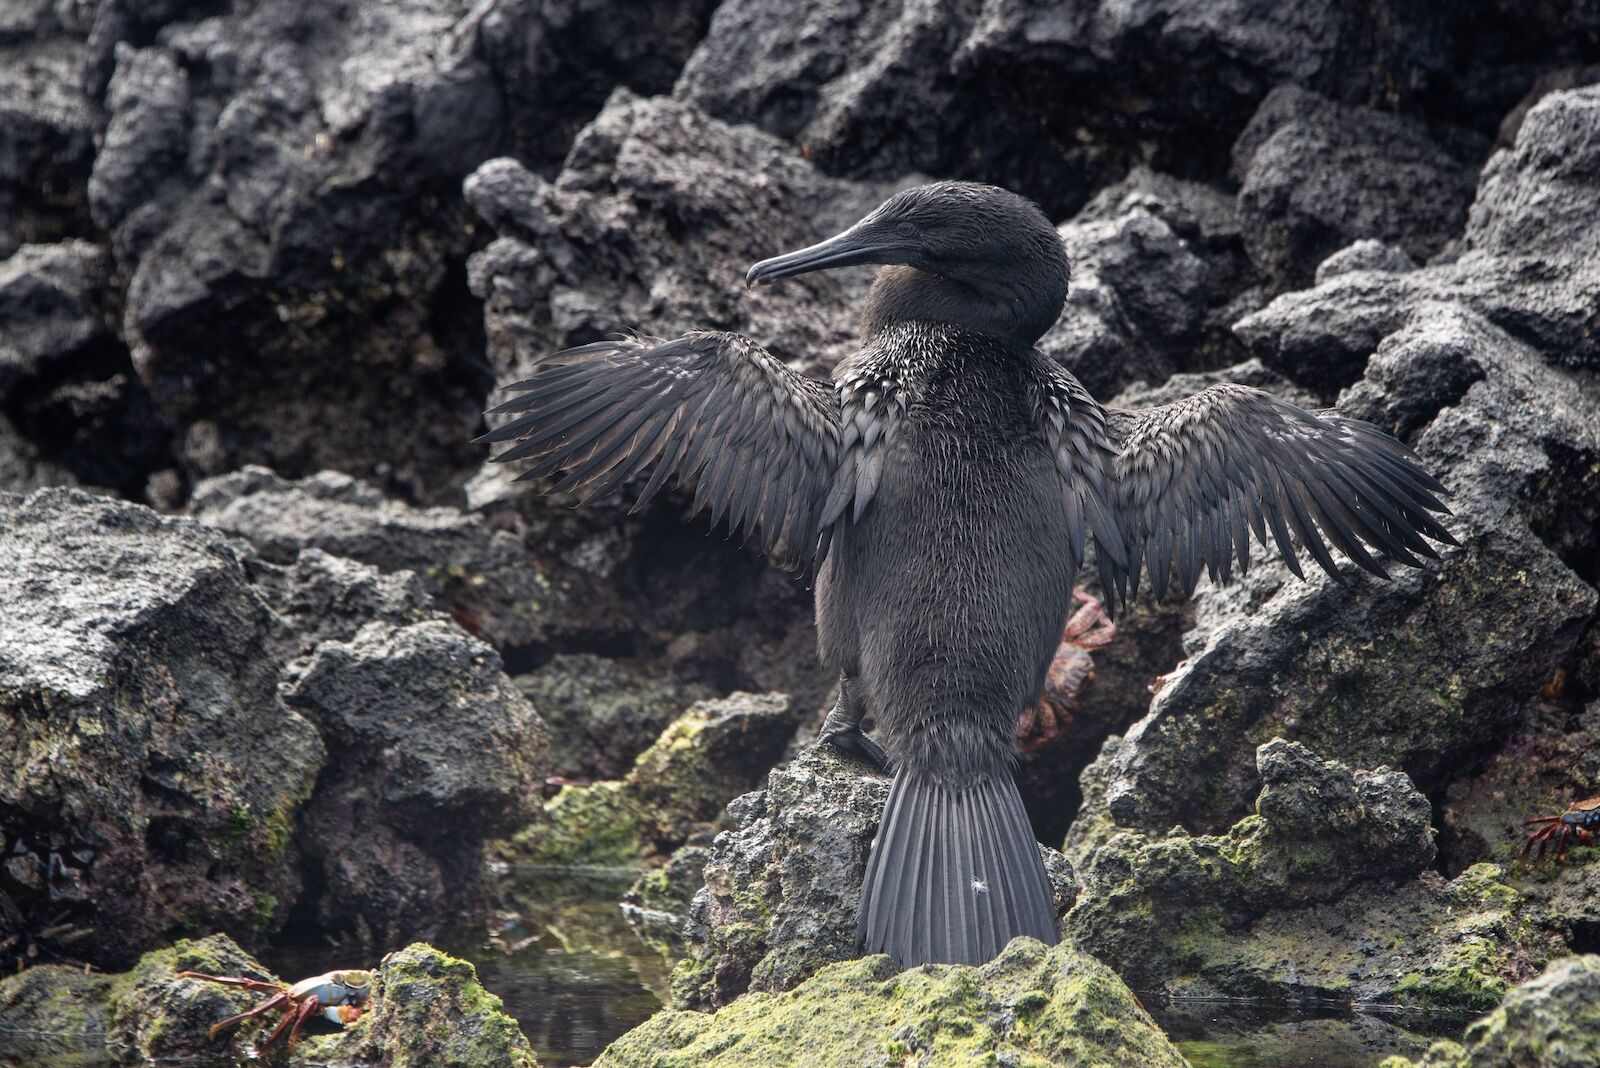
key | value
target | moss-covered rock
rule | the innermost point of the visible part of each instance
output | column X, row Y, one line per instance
column 1552, row 1021
column 1031, row 1006
column 428, row 1011
column 602, row 713
column 705, row 758
column 159, row 1018
column 1324, row 893
column 53, row 1014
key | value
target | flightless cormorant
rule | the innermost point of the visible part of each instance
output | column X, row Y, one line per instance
column 944, row 489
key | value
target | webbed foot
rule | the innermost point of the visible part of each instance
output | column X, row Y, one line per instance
column 852, row 741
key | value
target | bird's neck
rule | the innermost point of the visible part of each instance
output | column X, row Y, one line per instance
column 1016, row 309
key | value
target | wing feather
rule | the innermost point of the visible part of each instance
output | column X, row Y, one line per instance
column 756, row 440
column 1196, row 478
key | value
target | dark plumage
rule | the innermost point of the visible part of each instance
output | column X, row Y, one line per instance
column 944, row 489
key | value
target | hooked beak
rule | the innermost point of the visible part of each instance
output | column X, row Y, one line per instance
column 854, row 246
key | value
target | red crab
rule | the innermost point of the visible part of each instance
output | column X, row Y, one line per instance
column 1049, row 718
column 1578, row 821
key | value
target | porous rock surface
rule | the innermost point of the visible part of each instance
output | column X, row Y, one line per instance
column 1325, row 892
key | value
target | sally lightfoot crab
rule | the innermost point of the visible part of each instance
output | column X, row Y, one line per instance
column 1578, row 821
column 1072, row 668
column 338, row 996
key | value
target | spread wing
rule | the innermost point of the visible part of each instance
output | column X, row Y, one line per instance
column 1075, row 428
column 713, row 410
column 1195, row 478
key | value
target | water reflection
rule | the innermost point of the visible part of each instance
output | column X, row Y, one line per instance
column 1242, row 1033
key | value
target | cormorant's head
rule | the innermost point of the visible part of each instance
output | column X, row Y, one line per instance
column 959, row 252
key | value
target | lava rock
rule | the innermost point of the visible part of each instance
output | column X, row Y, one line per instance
column 482, row 577
column 66, row 381
column 284, row 177
column 1368, row 254
column 602, row 713
column 1030, row 1005
column 1137, row 295
column 707, row 756
column 152, row 776
column 47, row 125
column 1269, row 908
column 651, row 226
column 1527, row 262
column 1316, row 176
column 1366, row 672
column 55, row 1014
column 321, row 597
column 657, row 905
column 781, row 891
column 431, row 752
column 157, row 1017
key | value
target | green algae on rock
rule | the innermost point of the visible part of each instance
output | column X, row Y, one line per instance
column 159, row 1018
column 428, row 1011
column 54, row 1014
column 1031, row 1006
column 1552, row 1021
column 1325, row 893
column 705, row 758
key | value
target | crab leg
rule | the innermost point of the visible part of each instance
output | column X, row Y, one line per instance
column 307, row 1010
column 279, row 999
column 229, row 980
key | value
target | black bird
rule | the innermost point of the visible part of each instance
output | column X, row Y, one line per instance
column 943, row 489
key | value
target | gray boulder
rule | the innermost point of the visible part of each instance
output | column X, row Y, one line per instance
column 153, row 777
column 431, row 751
column 1316, row 176
column 1527, row 262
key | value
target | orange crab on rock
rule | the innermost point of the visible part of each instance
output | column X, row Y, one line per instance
column 1048, row 719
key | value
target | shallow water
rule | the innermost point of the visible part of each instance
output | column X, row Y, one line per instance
column 574, row 975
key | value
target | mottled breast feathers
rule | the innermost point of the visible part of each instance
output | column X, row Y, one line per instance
column 757, row 440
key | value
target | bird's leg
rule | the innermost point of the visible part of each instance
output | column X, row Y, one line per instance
column 842, row 729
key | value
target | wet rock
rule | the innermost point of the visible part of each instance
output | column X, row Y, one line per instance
column 1375, row 672
column 483, row 578
column 1323, row 893
column 428, row 1008
column 52, row 306
column 1029, row 1005
column 781, row 891
column 432, row 751
column 705, row 758
column 657, row 905
column 152, row 774
column 54, row 1014
column 1527, row 262
column 158, row 1018
column 1546, row 1022
column 1316, row 176
column 425, row 1008
column 602, row 713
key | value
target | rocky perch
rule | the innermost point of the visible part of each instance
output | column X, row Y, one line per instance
column 1030, row 1006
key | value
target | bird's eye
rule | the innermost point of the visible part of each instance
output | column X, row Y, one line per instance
column 907, row 229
